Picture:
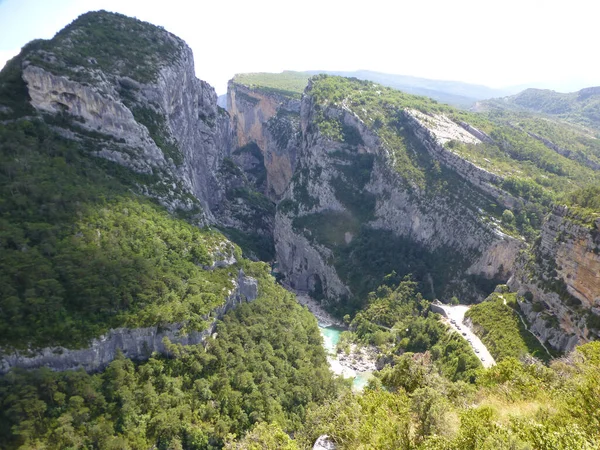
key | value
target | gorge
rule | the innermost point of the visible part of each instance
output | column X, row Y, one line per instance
column 155, row 240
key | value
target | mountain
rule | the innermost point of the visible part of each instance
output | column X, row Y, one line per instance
column 455, row 93
column 116, row 168
column 581, row 107
column 462, row 95
column 137, row 308
column 382, row 181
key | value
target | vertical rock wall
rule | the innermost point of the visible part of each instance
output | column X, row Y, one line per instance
column 271, row 121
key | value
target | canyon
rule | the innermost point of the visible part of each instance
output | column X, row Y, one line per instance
column 269, row 172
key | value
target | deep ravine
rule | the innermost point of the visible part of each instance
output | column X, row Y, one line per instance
column 358, row 364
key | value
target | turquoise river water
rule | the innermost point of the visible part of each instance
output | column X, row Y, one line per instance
column 331, row 336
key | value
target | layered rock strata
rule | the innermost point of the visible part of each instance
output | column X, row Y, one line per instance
column 560, row 282
column 137, row 344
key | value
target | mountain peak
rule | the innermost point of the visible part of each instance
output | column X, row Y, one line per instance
column 111, row 42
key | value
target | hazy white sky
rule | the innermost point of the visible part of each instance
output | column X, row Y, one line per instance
column 493, row 42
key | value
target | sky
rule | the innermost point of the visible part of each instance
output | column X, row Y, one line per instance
column 544, row 43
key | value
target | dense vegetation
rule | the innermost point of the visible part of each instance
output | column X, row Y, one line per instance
column 513, row 405
column 81, row 253
column 265, row 365
column 288, row 83
column 501, row 330
column 584, row 205
column 113, row 43
column 398, row 321
column 263, row 383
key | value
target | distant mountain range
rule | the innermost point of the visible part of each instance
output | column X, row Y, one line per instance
column 454, row 93
column 581, row 107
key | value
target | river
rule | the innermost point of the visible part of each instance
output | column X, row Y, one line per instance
column 331, row 329
column 331, row 336
column 360, row 367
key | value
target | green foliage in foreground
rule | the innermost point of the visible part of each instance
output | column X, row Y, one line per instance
column 288, row 83
column 80, row 253
column 500, row 329
column 264, row 437
column 514, row 405
column 267, row 364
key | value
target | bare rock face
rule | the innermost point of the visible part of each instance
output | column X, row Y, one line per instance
column 137, row 344
column 305, row 263
column 561, row 283
column 327, row 188
column 324, row 442
column 170, row 126
column 271, row 122
column 199, row 128
column 436, row 130
column 99, row 109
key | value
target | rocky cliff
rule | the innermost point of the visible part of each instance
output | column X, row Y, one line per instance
column 560, row 281
column 137, row 344
column 157, row 119
column 269, row 122
column 367, row 182
column 122, row 90
column 345, row 191
column 162, row 120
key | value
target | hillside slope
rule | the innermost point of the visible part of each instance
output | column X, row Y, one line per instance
column 109, row 141
column 385, row 181
column 581, row 107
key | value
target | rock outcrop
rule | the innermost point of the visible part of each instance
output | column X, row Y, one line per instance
column 352, row 184
column 433, row 131
column 170, row 126
column 271, row 121
column 136, row 344
column 324, row 442
column 560, row 281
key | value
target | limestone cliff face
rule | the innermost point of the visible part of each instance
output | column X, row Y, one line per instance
column 271, row 121
column 99, row 109
column 352, row 184
column 156, row 119
column 136, row 344
column 433, row 131
column 560, row 282
column 170, row 127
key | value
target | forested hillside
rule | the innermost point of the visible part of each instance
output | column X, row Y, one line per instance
column 581, row 107
column 90, row 243
column 82, row 252
column 117, row 171
column 266, row 364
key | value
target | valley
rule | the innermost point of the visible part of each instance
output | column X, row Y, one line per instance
column 175, row 274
